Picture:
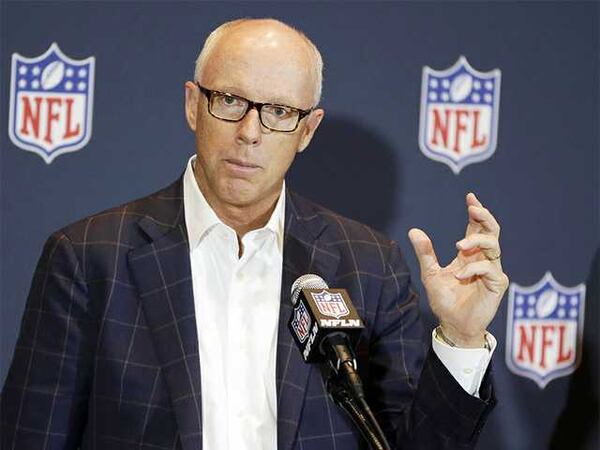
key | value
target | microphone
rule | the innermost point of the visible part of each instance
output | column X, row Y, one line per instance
column 325, row 325
column 320, row 313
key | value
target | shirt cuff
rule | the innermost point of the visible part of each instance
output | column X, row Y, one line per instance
column 467, row 365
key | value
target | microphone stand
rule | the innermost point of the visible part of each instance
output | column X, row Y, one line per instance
column 345, row 387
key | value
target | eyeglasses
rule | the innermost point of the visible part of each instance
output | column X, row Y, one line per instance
column 233, row 108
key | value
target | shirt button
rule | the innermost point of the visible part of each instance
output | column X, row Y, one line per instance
column 468, row 371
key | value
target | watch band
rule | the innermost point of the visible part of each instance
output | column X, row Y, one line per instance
column 440, row 334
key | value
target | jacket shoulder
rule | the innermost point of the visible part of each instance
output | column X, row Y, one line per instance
column 344, row 234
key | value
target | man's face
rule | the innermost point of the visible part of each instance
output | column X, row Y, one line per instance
column 243, row 163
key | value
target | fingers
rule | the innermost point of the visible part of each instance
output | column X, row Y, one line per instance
column 494, row 279
column 424, row 250
column 481, row 216
column 484, row 218
column 473, row 200
column 486, row 243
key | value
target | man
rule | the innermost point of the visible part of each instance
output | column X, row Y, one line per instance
column 161, row 324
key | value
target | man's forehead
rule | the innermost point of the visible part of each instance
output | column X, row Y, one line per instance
column 272, row 62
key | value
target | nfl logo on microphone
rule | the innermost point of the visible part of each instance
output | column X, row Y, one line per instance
column 51, row 99
column 544, row 329
column 331, row 304
column 301, row 322
column 458, row 123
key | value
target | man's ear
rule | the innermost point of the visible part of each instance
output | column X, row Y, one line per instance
column 191, row 104
column 312, row 123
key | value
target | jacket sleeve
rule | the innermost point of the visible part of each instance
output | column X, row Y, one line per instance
column 44, row 400
column 416, row 400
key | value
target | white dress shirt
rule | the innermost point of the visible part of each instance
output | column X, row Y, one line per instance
column 237, row 310
column 467, row 365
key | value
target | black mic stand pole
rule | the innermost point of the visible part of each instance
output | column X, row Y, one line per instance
column 345, row 387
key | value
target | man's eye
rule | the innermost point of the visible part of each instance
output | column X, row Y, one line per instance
column 229, row 100
column 279, row 111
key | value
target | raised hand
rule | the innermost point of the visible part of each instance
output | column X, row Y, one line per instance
column 465, row 294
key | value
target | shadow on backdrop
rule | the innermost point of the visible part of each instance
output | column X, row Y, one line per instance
column 345, row 157
column 577, row 426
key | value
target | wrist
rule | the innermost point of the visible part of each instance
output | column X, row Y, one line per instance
column 459, row 340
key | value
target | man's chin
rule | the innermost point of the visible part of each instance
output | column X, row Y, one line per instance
column 240, row 193
column 243, row 194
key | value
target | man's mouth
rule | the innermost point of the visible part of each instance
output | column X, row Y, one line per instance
column 240, row 165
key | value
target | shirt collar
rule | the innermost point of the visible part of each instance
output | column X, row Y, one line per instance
column 200, row 217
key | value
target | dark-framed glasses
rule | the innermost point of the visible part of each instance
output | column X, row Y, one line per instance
column 233, row 108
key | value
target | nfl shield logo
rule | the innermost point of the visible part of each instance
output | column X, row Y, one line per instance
column 544, row 329
column 301, row 322
column 51, row 98
column 459, row 114
column 331, row 304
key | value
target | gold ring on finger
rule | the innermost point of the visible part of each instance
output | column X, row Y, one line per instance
column 494, row 257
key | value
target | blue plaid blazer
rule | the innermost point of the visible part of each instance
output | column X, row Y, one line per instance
column 107, row 356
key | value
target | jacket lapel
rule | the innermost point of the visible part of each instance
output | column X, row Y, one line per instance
column 303, row 253
column 161, row 270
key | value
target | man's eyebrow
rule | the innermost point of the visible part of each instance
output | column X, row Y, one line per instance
column 283, row 102
column 277, row 100
column 229, row 90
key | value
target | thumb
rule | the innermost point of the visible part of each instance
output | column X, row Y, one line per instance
column 424, row 250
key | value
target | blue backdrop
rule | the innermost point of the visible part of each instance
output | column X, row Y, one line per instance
column 541, row 183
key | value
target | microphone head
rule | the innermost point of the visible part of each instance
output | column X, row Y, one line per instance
column 308, row 281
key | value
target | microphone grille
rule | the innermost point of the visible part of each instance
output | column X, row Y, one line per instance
column 308, row 281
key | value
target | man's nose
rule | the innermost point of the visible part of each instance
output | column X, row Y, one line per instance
column 249, row 130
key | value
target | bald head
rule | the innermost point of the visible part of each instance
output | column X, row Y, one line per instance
column 267, row 39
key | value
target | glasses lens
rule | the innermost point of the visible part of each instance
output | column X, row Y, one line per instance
column 228, row 107
column 279, row 118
